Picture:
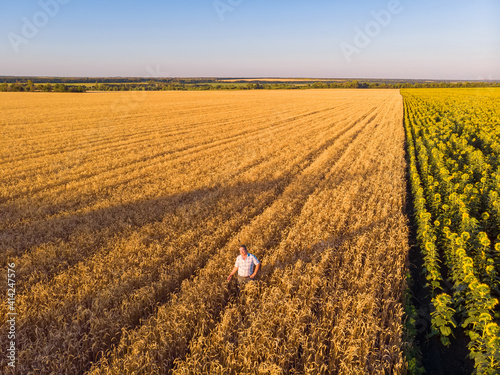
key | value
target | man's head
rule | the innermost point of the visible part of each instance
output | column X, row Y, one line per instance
column 243, row 250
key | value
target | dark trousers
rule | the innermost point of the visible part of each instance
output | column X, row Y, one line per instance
column 243, row 280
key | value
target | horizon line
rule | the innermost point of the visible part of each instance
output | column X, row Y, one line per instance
column 258, row 78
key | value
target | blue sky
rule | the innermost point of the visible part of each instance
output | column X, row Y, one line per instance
column 439, row 39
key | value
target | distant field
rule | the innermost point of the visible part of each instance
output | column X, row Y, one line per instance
column 123, row 213
column 311, row 80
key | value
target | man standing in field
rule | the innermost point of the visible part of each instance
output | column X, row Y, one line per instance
column 244, row 265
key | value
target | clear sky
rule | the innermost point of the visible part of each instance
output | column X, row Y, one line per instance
column 418, row 39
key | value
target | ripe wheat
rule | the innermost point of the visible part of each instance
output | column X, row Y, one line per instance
column 123, row 212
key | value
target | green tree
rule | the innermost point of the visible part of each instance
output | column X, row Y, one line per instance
column 60, row 87
column 30, row 86
column 16, row 87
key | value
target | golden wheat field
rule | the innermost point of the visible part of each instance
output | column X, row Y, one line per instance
column 123, row 213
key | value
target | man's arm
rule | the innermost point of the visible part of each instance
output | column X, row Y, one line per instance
column 235, row 269
column 257, row 266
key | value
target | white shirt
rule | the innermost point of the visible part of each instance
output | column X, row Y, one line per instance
column 245, row 266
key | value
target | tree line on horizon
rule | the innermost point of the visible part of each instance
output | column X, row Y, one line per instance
column 194, row 85
column 29, row 86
